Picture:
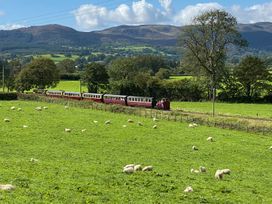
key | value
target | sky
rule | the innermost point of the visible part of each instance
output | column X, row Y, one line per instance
column 89, row 15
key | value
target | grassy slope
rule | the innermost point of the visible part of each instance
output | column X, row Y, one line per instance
column 254, row 110
column 81, row 167
column 69, row 86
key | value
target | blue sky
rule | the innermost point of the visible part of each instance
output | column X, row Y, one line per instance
column 98, row 14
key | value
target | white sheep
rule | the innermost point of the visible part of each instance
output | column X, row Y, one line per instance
column 6, row 120
column 129, row 165
column 33, row 160
column 188, row 189
column 219, row 174
column 39, row 108
column 140, row 124
column 130, row 121
column 147, row 168
column 137, row 167
column 270, row 147
column 226, row 171
column 192, row 125
column 194, row 171
column 155, row 119
column 66, row 107
column 19, row 109
column 67, row 130
column 12, row 108
column 83, row 130
column 6, row 187
column 25, row 126
column 124, row 126
column 202, row 169
column 154, row 127
column 45, row 107
column 95, row 121
column 107, row 122
column 128, row 170
column 210, row 139
column 194, row 148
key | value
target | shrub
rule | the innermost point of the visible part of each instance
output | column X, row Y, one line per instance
column 8, row 96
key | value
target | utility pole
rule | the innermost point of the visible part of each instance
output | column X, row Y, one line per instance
column 213, row 102
column 3, row 77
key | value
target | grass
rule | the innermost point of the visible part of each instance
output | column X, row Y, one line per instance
column 252, row 110
column 86, row 167
column 58, row 57
column 178, row 78
column 69, row 86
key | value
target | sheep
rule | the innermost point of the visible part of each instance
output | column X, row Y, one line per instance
column 129, row 165
column 67, row 130
column 202, row 169
column 194, row 148
column 95, row 121
column 128, row 170
column 12, row 108
column 130, row 121
column 124, row 126
column 45, row 107
column 83, row 130
column 154, row 127
column 210, row 139
column 34, row 160
column 188, row 189
column 155, row 119
column 66, row 107
column 39, row 108
column 220, row 173
column 137, row 167
column 147, row 168
column 6, row 120
column 6, row 187
column 192, row 125
column 270, row 147
column 25, row 126
column 107, row 122
column 19, row 109
column 226, row 171
column 194, row 171
column 140, row 124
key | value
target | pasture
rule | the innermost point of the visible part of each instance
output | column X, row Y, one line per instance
column 238, row 109
column 69, row 86
column 86, row 167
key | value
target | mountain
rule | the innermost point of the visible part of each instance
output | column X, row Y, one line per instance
column 59, row 38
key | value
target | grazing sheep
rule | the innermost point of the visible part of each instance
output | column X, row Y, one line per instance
column 148, row 168
column 210, row 139
column 128, row 170
column 219, row 174
column 192, row 125
column 194, row 148
column 124, row 126
column 66, row 107
column 130, row 121
column 129, row 165
column 95, row 121
column 19, row 109
column 140, row 124
column 202, row 169
column 12, row 108
column 154, row 127
column 137, row 167
column 34, row 160
column 155, row 119
column 194, row 171
column 25, row 126
column 226, row 171
column 6, row 120
column 45, row 107
column 6, row 187
column 67, row 130
column 188, row 189
column 83, row 130
column 39, row 108
column 270, row 147
column 107, row 122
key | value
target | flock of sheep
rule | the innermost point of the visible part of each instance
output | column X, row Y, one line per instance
column 130, row 168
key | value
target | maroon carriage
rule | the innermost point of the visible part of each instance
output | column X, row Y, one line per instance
column 163, row 104
column 72, row 95
column 139, row 101
column 53, row 93
column 93, row 97
column 115, row 99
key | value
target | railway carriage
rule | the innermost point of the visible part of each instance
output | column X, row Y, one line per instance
column 72, row 95
column 115, row 99
column 93, row 97
column 52, row 93
column 138, row 101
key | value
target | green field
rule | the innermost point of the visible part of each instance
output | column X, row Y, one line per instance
column 57, row 57
column 178, row 78
column 241, row 109
column 69, row 86
column 86, row 167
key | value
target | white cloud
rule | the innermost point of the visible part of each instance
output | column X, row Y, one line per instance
column 185, row 16
column 89, row 16
column 11, row 26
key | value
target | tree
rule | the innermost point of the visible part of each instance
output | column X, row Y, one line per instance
column 163, row 73
column 206, row 43
column 41, row 73
column 95, row 75
column 254, row 76
column 66, row 66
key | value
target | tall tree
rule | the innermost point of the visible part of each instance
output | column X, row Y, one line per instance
column 95, row 75
column 41, row 73
column 66, row 66
column 206, row 43
column 254, row 76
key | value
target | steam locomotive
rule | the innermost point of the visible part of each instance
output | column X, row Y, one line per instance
column 135, row 101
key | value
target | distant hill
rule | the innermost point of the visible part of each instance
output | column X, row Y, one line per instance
column 58, row 38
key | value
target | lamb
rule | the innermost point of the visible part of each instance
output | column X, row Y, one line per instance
column 12, row 108
column 220, row 173
column 192, row 125
column 83, row 130
column 194, row 171
column 270, row 147
column 25, row 126
column 137, row 167
column 124, row 126
column 188, row 189
column 128, row 170
column 19, row 109
column 194, row 148
column 154, row 127
column 210, row 139
column 202, row 169
column 107, row 122
column 147, row 168
column 95, row 121
column 67, row 130
column 130, row 121
column 140, row 124
column 34, row 160
column 155, row 119
column 226, row 171
column 129, row 165
column 6, row 187
column 45, row 107
column 39, row 108
column 6, row 120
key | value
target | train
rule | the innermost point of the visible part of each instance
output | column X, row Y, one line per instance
column 125, row 100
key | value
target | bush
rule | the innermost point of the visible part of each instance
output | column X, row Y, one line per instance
column 67, row 76
column 8, row 96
